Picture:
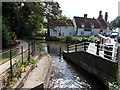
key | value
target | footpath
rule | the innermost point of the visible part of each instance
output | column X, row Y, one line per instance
column 39, row 77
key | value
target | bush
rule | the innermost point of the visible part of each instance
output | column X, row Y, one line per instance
column 68, row 39
column 92, row 38
column 73, row 39
column 61, row 38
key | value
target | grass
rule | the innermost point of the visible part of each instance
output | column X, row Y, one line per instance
column 6, row 56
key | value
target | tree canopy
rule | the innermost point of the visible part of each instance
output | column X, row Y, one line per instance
column 116, row 22
column 25, row 18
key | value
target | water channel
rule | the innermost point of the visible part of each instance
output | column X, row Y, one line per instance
column 65, row 74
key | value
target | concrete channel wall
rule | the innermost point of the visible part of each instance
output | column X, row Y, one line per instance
column 103, row 68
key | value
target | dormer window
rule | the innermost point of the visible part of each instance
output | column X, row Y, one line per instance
column 92, row 25
column 82, row 25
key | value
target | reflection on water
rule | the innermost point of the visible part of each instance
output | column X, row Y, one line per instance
column 65, row 74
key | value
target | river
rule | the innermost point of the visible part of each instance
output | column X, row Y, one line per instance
column 65, row 74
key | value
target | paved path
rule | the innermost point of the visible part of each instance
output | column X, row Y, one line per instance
column 37, row 76
column 92, row 48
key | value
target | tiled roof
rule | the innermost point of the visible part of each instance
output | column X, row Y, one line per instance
column 102, row 23
column 98, row 23
column 67, row 23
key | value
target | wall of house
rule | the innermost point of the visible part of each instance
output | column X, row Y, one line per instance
column 87, row 33
column 55, row 31
column 81, row 32
column 95, row 31
column 63, row 30
column 74, row 23
column 68, row 30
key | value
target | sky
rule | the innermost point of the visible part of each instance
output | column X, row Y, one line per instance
column 90, row 7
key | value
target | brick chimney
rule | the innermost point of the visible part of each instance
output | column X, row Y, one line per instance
column 85, row 15
column 100, row 14
column 106, row 16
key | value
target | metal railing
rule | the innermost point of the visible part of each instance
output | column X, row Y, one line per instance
column 13, row 61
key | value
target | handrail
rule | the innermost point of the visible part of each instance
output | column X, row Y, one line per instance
column 110, row 51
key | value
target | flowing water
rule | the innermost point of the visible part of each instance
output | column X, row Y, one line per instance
column 65, row 74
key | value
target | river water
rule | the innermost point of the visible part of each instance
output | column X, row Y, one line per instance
column 65, row 74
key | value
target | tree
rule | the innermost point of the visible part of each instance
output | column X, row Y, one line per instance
column 24, row 17
column 5, row 36
column 116, row 22
column 53, row 12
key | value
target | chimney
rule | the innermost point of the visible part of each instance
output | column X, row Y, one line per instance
column 100, row 14
column 106, row 16
column 85, row 15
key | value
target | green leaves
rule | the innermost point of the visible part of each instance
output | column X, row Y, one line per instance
column 116, row 23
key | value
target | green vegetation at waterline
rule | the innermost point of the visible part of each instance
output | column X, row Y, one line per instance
column 73, row 39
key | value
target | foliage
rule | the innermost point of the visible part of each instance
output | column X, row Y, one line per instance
column 74, row 39
column 19, row 68
column 5, row 36
column 52, row 13
column 116, row 22
column 114, row 86
column 92, row 38
column 25, row 18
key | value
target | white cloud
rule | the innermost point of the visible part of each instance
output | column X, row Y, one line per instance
column 91, row 7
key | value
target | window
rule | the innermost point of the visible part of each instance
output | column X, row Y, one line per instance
column 54, row 31
column 82, row 25
column 92, row 25
column 66, row 26
column 87, row 29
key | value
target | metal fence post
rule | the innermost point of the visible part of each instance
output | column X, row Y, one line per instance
column 28, row 51
column 11, row 72
column 34, row 47
column 22, row 53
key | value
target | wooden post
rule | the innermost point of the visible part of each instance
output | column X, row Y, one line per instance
column 85, row 45
column 98, row 46
column 67, row 48
column 11, row 72
column 75, row 47
column 22, row 53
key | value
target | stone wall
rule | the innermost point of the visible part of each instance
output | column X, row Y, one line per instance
column 101, row 67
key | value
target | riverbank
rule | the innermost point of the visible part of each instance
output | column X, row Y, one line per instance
column 39, row 77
